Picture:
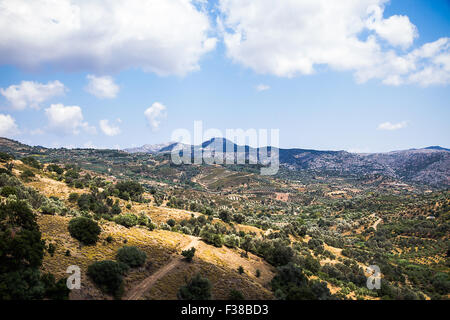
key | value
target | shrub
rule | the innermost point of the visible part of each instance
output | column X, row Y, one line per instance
column 51, row 249
column 5, row 157
column 235, row 295
column 258, row 273
column 231, row 241
column 171, row 222
column 27, row 174
column 198, row 288
column 188, row 254
column 108, row 276
column 32, row 162
column 131, row 256
column 84, row 230
column 6, row 191
column 73, row 197
column 225, row 215
column 127, row 220
column 241, row 269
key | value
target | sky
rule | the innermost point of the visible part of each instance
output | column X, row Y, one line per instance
column 361, row 76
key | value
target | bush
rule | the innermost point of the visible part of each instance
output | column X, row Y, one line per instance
column 27, row 174
column 5, row 157
column 73, row 197
column 84, row 230
column 171, row 222
column 235, row 295
column 127, row 220
column 32, row 162
column 198, row 288
column 6, row 191
column 188, row 254
column 131, row 256
column 108, row 276
column 241, row 269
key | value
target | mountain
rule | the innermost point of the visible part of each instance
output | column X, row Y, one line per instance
column 154, row 148
column 430, row 165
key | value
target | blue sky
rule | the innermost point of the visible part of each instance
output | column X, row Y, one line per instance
column 327, row 87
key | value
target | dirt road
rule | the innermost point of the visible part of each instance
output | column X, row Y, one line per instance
column 137, row 292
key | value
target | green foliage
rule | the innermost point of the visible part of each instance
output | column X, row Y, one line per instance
column 127, row 220
column 84, row 229
column 235, row 295
column 27, row 174
column 21, row 254
column 73, row 197
column 129, row 190
column 6, row 191
column 108, row 276
column 131, row 256
column 188, row 254
column 171, row 222
column 225, row 216
column 32, row 162
column 51, row 249
column 55, row 168
column 4, row 157
column 198, row 288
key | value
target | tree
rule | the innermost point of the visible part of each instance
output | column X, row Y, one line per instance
column 198, row 288
column 131, row 256
column 188, row 254
column 21, row 254
column 108, row 276
column 247, row 244
column 84, row 229
column 225, row 215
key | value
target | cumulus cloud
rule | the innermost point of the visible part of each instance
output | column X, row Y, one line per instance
column 67, row 119
column 108, row 129
column 392, row 126
column 8, row 126
column 298, row 36
column 397, row 29
column 262, row 87
column 154, row 114
column 31, row 94
column 161, row 36
column 102, row 87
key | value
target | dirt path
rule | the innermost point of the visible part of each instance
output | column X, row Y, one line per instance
column 137, row 292
column 376, row 222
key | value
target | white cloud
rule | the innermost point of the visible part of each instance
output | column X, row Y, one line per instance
column 31, row 94
column 298, row 36
column 154, row 114
column 262, row 87
column 108, row 129
column 392, row 126
column 8, row 126
column 102, row 87
column 161, row 36
column 67, row 119
column 397, row 30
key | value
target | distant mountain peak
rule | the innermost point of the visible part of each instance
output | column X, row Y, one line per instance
column 437, row 148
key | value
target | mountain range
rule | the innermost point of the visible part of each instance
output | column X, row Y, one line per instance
column 429, row 166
